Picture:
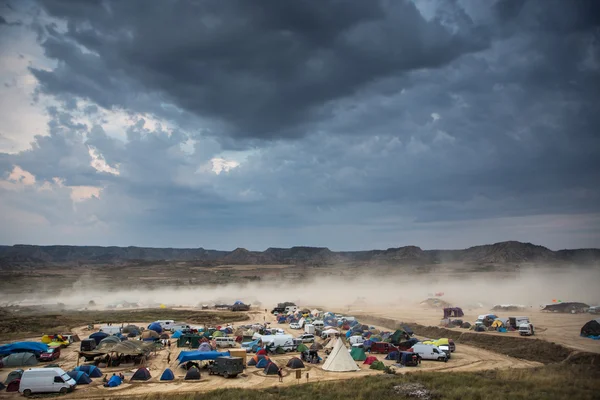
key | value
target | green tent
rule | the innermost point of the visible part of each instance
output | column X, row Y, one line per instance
column 358, row 354
column 279, row 350
column 378, row 365
column 218, row 334
column 192, row 341
column 397, row 336
column 302, row 347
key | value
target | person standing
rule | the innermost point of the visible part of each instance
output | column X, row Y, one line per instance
column 280, row 374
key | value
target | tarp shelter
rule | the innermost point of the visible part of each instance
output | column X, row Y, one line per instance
column 369, row 360
column 185, row 356
column 189, row 340
column 167, row 375
column 378, row 365
column 358, row 354
column 114, row 381
column 176, row 335
column 271, row 369
column 193, row 374
column 19, row 359
column 455, row 312
column 20, row 347
column 155, row 326
column 142, row 374
column 331, row 331
column 55, row 338
column 16, row 374
column 591, row 328
column 339, row 359
column 98, row 336
column 91, row 370
column 295, row 363
column 262, row 363
column 80, row 377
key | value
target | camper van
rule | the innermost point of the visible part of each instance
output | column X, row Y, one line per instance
column 430, row 352
column 166, row 324
column 45, row 380
column 225, row 341
column 110, row 330
column 318, row 324
column 286, row 342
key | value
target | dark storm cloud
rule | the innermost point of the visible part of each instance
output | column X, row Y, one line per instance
column 259, row 69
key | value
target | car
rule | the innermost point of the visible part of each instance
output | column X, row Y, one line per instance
column 307, row 338
column 51, row 354
column 295, row 325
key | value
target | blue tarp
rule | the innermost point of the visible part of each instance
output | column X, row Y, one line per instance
column 114, row 381
column 22, row 347
column 250, row 344
column 167, row 375
column 185, row 356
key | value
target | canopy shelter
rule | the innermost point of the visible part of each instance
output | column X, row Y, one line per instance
column 185, row 356
column 128, row 348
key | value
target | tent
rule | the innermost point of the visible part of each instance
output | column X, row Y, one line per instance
column 279, row 350
column 316, row 346
column 262, row 352
column 204, row 347
column 295, row 363
column 497, row 324
column 98, row 336
column 378, row 365
column 131, row 328
column 370, row 360
column 150, row 335
column 392, row 355
column 408, row 330
column 110, row 339
column 164, row 335
column 91, row 370
column 185, row 356
column 263, row 363
column 59, row 338
column 16, row 374
column 13, row 386
column 193, row 374
column 254, row 360
column 155, row 326
column 271, row 369
column 456, row 312
column 176, row 335
column 142, row 374
column 80, row 377
column 189, row 340
column 114, row 381
column 465, row 325
column 302, row 348
column 358, row 354
column 591, row 328
column 20, row 347
column 167, row 375
column 19, row 359
column 218, row 334
column 331, row 331
column 340, row 359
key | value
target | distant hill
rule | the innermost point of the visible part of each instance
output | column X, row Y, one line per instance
column 511, row 252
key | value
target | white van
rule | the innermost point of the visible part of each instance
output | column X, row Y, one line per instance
column 179, row 326
column 273, row 341
column 430, row 352
column 46, row 380
column 290, row 309
column 110, row 330
column 225, row 341
column 356, row 340
column 166, row 324
column 319, row 324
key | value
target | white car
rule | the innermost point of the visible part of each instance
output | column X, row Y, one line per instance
column 307, row 338
column 295, row 325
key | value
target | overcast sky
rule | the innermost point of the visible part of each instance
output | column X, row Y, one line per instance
column 345, row 124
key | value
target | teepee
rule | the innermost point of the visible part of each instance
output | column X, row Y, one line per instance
column 340, row 359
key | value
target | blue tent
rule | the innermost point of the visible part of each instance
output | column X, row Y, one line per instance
column 98, row 336
column 80, row 377
column 155, row 326
column 22, row 347
column 262, row 363
column 348, row 334
column 91, row 370
column 176, row 335
column 114, row 381
column 185, row 356
column 167, row 375
column 393, row 355
column 238, row 302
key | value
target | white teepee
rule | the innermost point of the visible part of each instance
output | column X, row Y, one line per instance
column 340, row 359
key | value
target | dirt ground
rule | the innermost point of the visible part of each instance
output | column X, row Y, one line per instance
column 465, row 358
column 559, row 328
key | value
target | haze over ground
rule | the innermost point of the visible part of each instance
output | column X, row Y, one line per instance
column 348, row 125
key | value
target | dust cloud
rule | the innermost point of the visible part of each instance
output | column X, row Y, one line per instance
column 531, row 287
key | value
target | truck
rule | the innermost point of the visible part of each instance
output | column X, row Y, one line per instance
column 281, row 307
column 526, row 329
column 227, row 366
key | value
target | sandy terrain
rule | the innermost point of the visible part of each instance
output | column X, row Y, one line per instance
column 466, row 358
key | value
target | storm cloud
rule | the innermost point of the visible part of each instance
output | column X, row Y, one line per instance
column 332, row 123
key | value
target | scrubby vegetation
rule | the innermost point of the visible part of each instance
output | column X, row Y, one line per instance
column 545, row 383
column 28, row 321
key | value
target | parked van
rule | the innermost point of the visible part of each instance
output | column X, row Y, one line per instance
column 429, row 352
column 45, row 380
column 526, row 329
column 318, row 324
column 87, row 345
column 110, row 330
column 273, row 341
column 166, row 324
column 356, row 340
column 179, row 326
column 225, row 341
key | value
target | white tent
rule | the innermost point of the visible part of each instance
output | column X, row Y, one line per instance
column 331, row 331
column 340, row 359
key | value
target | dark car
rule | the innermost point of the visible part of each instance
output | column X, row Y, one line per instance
column 87, row 345
column 383, row 347
column 51, row 354
column 409, row 359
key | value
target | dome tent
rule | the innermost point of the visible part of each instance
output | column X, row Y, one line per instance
column 19, row 359
column 295, row 363
column 142, row 374
column 91, row 370
column 98, row 336
column 155, row 326
column 262, row 363
column 80, row 377
column 591, row 328
column 358, row 354
column 16, row 374
column 193, row 374
column 370, row 360
column 167, row 375
column 271, row 369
